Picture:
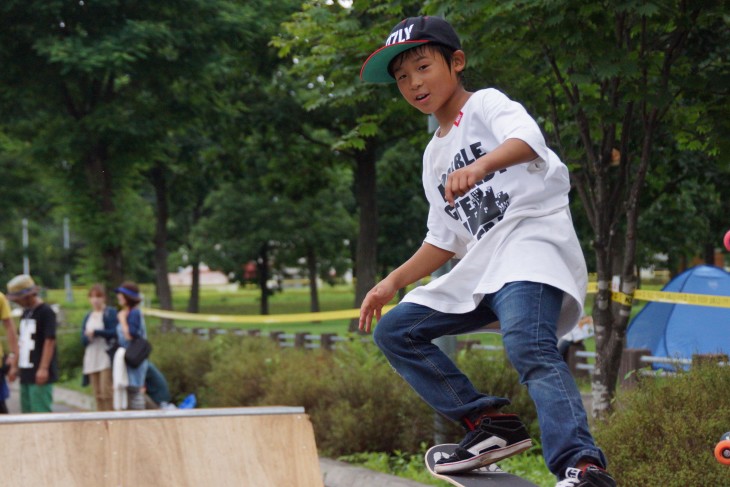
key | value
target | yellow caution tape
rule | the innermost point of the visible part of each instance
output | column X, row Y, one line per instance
column 666, row 297
column 259, row 319
column 683, row 298
column 347, row 314
column 623, row 299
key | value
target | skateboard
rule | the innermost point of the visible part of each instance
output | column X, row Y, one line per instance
column 722, row 449
column 489, row 476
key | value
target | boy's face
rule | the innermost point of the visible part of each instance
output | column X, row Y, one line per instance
column 425, row 79
column 27, row 301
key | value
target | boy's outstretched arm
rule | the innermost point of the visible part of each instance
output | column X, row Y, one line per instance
column 508, row 153
column 422, row 263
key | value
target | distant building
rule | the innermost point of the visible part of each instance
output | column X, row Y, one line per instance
column 208, row 277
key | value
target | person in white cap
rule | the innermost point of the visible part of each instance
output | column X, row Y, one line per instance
column 37, row 358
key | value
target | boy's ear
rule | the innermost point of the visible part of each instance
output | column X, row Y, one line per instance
column 458, row 61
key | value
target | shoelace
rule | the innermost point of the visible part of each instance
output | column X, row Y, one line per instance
column 572, row 478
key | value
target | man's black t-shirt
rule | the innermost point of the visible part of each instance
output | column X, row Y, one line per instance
column 36, row 325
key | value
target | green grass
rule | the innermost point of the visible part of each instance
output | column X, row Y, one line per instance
column 241, row 302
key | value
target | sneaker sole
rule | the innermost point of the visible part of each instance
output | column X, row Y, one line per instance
column 484, row 459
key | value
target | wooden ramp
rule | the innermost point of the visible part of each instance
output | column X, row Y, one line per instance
column 258, row 447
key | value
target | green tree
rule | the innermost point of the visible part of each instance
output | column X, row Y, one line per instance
column 291, row 203
column 401, row 202
column 364, row 119
column 87, row 84
column 679, row 192
column 190, row 179
column 28, row 194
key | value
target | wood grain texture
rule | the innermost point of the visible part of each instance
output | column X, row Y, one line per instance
column 242, row 450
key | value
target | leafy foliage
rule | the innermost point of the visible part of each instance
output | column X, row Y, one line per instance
column 349, row 393
column 103, row 99
column 665, row 429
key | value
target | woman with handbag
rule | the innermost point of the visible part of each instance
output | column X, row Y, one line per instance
column 133, row 337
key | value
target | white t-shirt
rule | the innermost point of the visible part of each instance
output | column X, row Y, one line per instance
column 515, row 225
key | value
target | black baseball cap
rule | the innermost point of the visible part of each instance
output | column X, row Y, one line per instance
column 407, row 34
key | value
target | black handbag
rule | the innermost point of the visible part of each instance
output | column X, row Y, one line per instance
column 137, row 351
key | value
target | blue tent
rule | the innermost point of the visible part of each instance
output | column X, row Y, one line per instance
column 681, row 330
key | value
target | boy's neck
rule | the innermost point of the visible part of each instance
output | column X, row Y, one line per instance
column 449, row 111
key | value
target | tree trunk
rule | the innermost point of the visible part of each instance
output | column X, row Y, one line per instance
column 603, row 324
column 162, row 283
column 365, row 260
column 194, row 299
column 262, row 265
column 100, row 184
column 610, row 344
column 312, row 273
column 113, row 270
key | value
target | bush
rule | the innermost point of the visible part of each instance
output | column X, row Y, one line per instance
column 241, row 371
column 663, row 432
column 70, row 352
column 355, row 400
column 183, row 360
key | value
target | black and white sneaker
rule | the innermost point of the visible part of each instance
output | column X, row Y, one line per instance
column 493, row 438
column 591, row 476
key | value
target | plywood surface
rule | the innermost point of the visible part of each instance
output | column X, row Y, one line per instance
column 240, row 450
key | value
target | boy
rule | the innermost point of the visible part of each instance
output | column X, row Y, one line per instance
column 498, row 201
column 37, row 356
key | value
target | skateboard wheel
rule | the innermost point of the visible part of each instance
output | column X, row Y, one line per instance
column 722, row 452
column 726, row 436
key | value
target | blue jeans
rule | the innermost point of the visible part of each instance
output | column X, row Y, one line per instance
column 527, row 312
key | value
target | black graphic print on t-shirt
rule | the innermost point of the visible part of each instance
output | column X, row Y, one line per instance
column 480, row 209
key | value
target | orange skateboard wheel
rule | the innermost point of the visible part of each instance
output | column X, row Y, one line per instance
column 722, row 452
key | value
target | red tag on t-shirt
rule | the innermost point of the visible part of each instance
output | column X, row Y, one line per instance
column 458, row 119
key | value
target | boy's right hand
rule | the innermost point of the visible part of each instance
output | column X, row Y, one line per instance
column 373, row 303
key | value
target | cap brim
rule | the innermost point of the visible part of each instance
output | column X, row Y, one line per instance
column 127, row 292
column 375, row 68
